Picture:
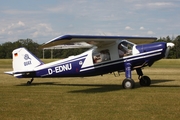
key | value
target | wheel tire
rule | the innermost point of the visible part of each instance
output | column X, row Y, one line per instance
column 128, row 83
column 145, row 81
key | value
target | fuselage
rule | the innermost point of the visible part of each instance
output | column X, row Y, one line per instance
column 91, row 63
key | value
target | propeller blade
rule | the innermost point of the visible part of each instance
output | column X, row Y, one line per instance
column 169, row 46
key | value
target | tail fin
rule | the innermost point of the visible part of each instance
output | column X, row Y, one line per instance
column 23, row 60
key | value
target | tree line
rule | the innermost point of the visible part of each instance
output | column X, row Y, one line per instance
column 7, row 48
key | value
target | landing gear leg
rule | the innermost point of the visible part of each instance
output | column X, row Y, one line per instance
column 29, row 82
column 128, row 82
column 143, row 80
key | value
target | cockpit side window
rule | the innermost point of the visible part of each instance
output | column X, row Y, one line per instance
column 100, row 56
column 125, row 48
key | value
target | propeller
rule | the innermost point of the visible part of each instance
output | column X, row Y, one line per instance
column 169, row 46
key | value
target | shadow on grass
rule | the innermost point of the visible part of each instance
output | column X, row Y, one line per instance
column 89, row 88
column 154, row 83
column 38, row 84
column 100, row 88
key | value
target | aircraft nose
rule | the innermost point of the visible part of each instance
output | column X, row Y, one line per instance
column 171, row 45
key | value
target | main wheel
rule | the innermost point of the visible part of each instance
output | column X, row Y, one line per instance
column 145, row 81
column 128, row 83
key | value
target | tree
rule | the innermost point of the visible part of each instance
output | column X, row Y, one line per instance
column 177, row 47
column 7, row 48
column 30, row 45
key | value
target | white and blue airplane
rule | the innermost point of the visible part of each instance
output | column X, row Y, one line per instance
column 106, row 54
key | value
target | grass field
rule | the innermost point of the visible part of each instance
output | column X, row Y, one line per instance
column 92, row 98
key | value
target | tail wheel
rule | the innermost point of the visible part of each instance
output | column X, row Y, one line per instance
column 145, row 81
column 128, row 83
column 29, row 82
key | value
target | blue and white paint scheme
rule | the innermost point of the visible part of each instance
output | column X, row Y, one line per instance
column 106, row 54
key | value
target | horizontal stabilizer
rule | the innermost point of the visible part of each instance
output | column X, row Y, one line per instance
column 9, row 72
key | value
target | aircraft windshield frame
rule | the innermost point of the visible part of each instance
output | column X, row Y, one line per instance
column 127, row 44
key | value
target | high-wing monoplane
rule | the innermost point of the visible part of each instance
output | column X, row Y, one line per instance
column 106, row 54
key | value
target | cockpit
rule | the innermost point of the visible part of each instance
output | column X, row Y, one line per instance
column 121, row 49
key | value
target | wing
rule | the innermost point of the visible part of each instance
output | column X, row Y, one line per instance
column 75, row 41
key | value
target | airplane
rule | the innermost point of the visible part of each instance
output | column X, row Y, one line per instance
column 106, row 54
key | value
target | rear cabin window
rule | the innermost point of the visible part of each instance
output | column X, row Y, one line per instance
column 101, row 56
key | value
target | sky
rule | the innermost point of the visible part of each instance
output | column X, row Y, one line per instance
column 43, row 20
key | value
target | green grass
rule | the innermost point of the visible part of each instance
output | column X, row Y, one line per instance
column 92, row 98
column 166, row 63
